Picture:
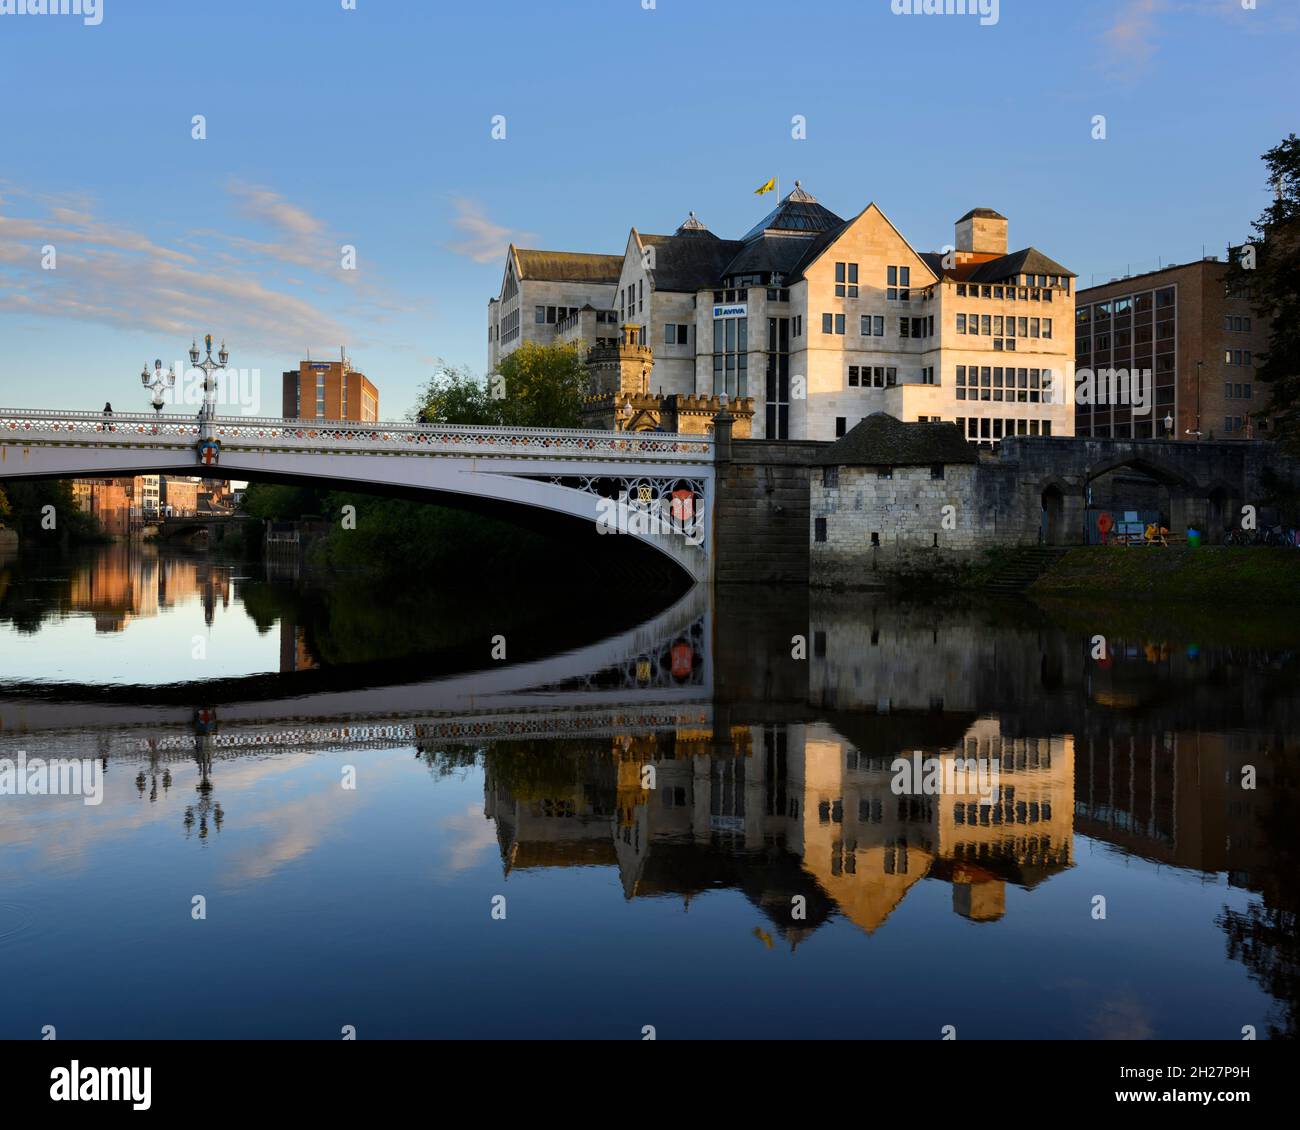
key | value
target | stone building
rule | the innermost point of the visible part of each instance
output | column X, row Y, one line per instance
column 543, row 296
column 621, row 399
column 822, row 321
column 893, row 499
column 1198, row 342
column 890, row 491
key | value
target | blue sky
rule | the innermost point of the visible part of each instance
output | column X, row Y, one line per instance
column 372, row 128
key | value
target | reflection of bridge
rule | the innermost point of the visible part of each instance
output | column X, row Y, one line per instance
column 658, row 676
column 578, row 475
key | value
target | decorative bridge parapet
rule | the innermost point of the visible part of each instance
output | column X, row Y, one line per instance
column 345, row 436
column 654, row 486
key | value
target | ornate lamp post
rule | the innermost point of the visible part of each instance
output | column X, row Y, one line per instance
column 158, row 383
column 210, row 369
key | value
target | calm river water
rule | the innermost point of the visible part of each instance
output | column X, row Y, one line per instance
column 329, row 803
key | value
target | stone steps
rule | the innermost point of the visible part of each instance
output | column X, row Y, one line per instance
column 1024, row 568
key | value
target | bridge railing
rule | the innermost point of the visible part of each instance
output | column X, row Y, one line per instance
column 392, row 437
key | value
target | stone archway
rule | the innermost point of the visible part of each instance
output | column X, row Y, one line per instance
column 1152, row 488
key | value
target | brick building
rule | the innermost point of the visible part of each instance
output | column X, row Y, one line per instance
column 329, row 390
column 1198, row 342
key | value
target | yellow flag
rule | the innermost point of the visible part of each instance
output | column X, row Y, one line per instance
column 769, row 187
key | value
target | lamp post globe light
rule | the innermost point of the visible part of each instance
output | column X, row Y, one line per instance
column 157, row 381
column 210, row 369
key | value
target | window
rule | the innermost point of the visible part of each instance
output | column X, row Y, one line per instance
column 731, row 356
column 927, row 375
column 839, row 324
column 961, row 382
column 897, row 282
column 841, row 426
column 819, row 525
column 884, row 472
column 539, row 315
column 846, row 280
column 1047, row 327
column 961, row 323
column 853, row 376
column 936, row 471
column 830, row 477
column 904, row 327
column 777, row 408
column 986, row 325
column 798, row 325
column 828, row 323
column 320, row 395
column 676, row 334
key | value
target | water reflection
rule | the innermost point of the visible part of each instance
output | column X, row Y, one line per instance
column 693, row 763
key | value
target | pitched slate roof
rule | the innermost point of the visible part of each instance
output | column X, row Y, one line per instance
column 881, row 440
column 982, row 214
column 569, row 266
column 689, row 262
column 1030, row 261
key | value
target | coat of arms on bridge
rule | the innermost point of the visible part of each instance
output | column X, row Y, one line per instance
column 209, row 452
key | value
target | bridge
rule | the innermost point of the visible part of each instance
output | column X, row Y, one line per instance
column 654, row 487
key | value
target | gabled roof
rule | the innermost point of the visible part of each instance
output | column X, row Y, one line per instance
column 798, row 213
column 881, row 440
column 983, row 269
column 822, row 243
column 568, row 266
column 688, row 263
column 1030, row 261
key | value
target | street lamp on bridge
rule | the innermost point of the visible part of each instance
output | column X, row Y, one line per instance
column 210, row 369
column 158, row 383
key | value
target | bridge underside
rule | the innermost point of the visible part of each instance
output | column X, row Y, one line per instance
column 564, row 499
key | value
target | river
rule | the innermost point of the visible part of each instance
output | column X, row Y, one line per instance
column 327, row 802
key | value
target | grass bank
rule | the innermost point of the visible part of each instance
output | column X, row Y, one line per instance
column 1219, row 575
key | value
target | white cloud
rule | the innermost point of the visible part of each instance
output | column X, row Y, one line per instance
column 485, row 241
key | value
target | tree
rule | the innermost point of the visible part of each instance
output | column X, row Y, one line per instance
column 455, row 396
column 1273, row 285
column 536, row 386
column 5, row 509
column 542, row 386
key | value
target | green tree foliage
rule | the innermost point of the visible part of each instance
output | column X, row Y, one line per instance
column 536, row 386
column 455, row 396
column 27, row 501
column 274, row 502
column 1274, row 288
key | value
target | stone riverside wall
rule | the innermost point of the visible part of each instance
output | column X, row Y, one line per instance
column 770, row 494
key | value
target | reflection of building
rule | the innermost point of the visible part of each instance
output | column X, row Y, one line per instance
column 784, row 811
column 1176, row 798
column 295, row 655
column 126, row 582
column 329, row 390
